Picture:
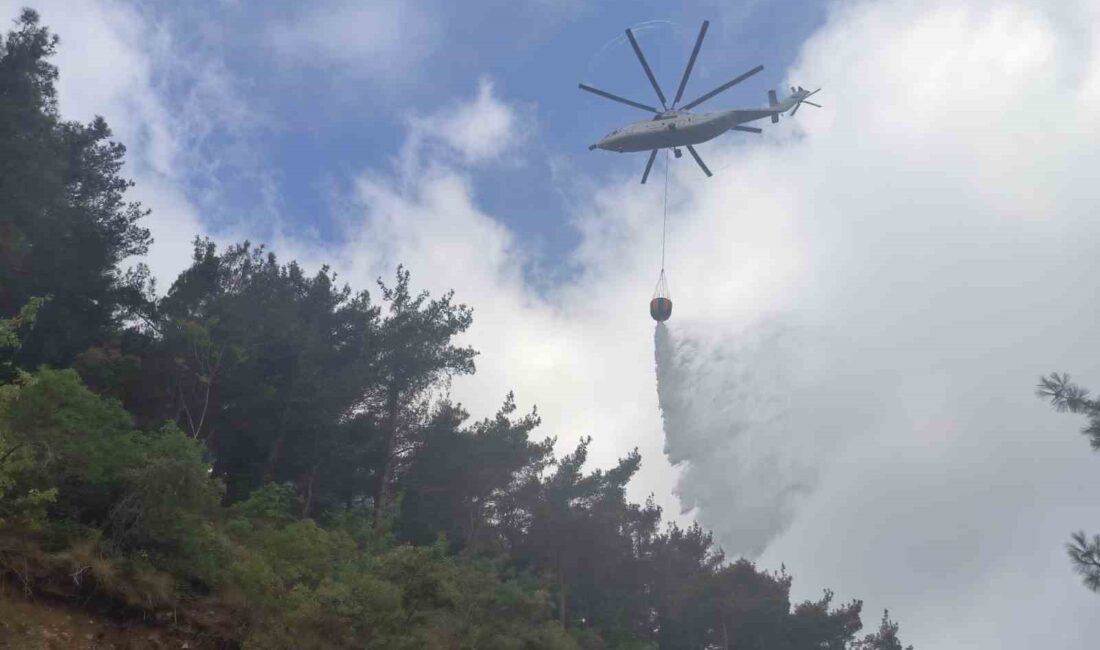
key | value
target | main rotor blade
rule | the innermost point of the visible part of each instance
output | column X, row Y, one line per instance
column 795, row 108
column 622, row 100
column 691, row 63
column 648, row 165
column 721, row 88
column 648, row 72
column 811, row 103
column 747, row 129
column 699, row 160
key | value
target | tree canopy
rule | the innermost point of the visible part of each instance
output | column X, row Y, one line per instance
column 65, row 224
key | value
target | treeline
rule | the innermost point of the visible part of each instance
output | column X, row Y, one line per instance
column 269, row 459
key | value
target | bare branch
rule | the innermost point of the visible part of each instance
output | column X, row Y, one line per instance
column 11, row 451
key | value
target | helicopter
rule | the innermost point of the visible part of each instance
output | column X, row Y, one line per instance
column 675, row 127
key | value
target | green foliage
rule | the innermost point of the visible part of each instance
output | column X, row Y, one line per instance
column 1085, row 554
column 310, row 587
column 1064, row 395
column 579, row 530
column 416, row 353
column 504, row 614
column 11, row 339
column 79, row 444
column 691, row 596
column 166, row 509
column 886, row 638
column 271, row 506
column 64, row 224
column 459, row 475
column 268, row 366
column 25, row 507
column 814, row 624
column 109, row 372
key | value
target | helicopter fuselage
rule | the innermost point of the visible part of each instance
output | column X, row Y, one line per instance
column 673, row 127
column 677, row 129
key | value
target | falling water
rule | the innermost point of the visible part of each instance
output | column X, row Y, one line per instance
column 733, row 419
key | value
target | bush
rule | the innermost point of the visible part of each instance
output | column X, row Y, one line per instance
column 22, row 506
column 77, row 443
column 167, row 510
column 144, row 499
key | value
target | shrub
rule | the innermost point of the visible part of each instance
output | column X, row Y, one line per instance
column 77, row 443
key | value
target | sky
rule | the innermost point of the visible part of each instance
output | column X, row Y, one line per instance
column 864, row 296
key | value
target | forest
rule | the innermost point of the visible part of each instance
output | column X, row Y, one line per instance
column 258, row 456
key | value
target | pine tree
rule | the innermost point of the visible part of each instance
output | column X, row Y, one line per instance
column 65, row 225
column 1064, row 395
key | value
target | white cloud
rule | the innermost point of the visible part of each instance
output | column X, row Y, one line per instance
column 105, row 72
column 480, row 130
column 380, row 39
column 471, row 133
column 938, row 219
column 118, row 61
column 929, row 235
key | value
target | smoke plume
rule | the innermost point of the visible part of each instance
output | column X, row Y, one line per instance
column 736, row 414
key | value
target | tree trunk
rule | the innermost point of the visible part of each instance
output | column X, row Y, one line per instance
column 307, row 505
column 276, row 453
column 205, row 404
column 389, row 432
column 473, row 525
column 273, row 457
column 561, row 592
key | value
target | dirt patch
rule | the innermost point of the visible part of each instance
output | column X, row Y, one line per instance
column 31, row 625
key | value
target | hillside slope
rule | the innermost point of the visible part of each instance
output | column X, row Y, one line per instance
column 30, row 625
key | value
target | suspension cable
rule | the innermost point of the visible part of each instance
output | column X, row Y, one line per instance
column 664, row 221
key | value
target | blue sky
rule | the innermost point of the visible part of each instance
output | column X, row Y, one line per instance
column 320, row 121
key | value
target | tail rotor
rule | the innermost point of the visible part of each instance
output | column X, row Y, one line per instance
column 803, row 95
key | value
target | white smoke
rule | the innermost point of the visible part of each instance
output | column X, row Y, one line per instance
column 935, row 241
column 739, row 416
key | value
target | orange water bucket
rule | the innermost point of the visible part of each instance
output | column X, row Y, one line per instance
column 660, row 308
